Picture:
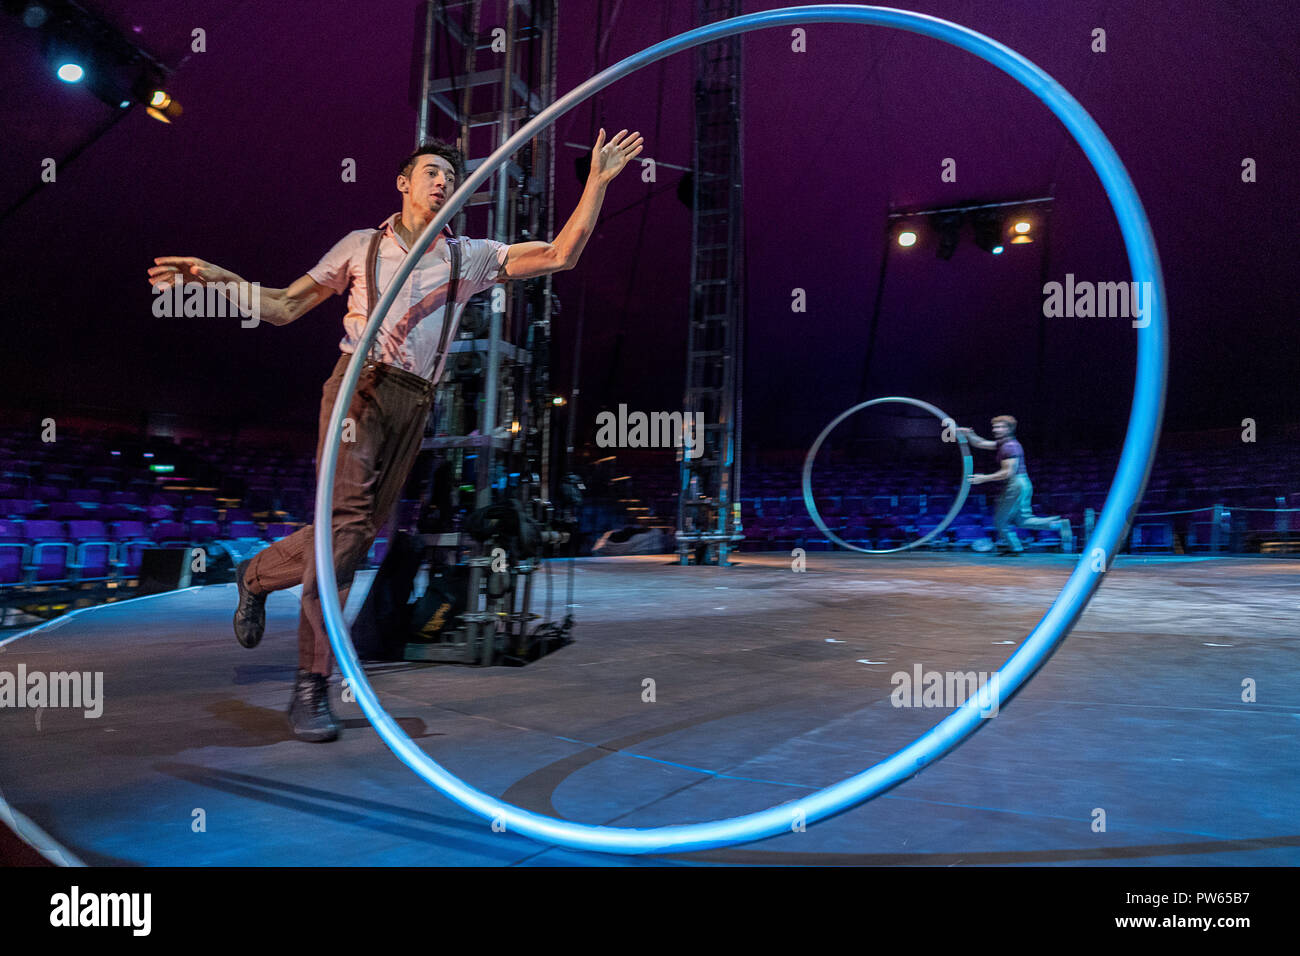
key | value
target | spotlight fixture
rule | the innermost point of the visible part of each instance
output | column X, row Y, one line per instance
column 67, row 58
column 988, row 231
column 158, row 103
column 996, row 224
column 949, row 228
column 1022, row 229
column 162, row 107
column 85, row 49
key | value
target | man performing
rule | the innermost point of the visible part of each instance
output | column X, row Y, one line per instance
column 1013, row 507
column 392, row 401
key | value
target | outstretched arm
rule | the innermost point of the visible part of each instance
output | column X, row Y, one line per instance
column 524, row 260
column 278, row 306
column 982, row 443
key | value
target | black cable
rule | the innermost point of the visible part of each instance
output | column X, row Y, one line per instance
column 65, row 162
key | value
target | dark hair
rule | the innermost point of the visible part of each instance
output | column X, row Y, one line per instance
column 436, row 147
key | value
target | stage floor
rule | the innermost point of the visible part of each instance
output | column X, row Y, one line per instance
column 769, row 684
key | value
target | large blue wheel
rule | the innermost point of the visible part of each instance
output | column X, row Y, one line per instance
column 1125, row 491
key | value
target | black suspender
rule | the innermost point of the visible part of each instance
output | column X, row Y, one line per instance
column 448, row 309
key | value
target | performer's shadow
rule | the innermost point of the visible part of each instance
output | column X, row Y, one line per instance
column 264, row 673
column 247, row 725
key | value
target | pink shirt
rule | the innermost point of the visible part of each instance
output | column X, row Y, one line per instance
column 410, row 333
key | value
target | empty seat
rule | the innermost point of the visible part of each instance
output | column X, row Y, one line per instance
column 51, row 553
column 112, row 513
column 68, row 510
column 17, row 507
column 95, row 554
column 204, row 530
column 169, row 532
column 129, row 531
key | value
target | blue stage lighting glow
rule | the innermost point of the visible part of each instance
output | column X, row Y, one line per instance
column 1108, row 534
column 70, row 72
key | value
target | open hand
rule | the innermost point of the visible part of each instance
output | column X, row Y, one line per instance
column 608, row 159
column 167, row 270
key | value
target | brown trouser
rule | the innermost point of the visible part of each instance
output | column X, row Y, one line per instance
column 390, row 409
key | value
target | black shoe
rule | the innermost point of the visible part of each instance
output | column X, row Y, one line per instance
column 250, row 616
column 1009, row 553
column 310, row 716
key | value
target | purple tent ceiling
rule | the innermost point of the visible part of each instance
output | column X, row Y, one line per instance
column 834, row 138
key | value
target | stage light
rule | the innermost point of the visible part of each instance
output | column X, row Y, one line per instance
column 158, row 103
column 82, row 48
column 558, row 400
column 1021, row 240
column 907, row 238
column 1022, row 226
column 988, row 231
column 162, row 107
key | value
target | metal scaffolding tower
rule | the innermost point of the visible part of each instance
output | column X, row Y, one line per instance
column 488, row 68
column 708, row 508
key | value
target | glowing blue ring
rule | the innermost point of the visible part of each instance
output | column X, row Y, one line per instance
column 957, row 502
column 1116, row 516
